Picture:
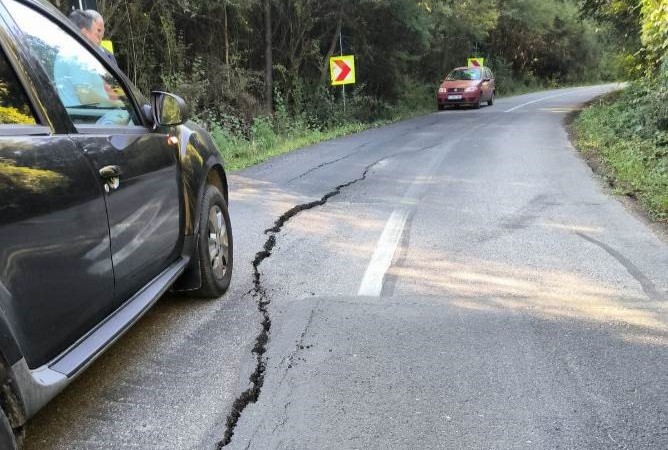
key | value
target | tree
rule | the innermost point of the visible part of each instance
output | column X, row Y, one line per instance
column 269, row 60
column 654, row 33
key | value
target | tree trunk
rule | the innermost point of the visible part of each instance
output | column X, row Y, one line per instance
column 227, row 39
column 330, row 51
column 268, row 59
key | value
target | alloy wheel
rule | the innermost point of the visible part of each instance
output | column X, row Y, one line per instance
column 218, row 242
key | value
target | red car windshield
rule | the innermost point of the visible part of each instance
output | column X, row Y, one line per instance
column 464, row 74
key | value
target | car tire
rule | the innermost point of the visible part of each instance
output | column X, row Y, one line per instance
column 7, row 438
column 214, row 248
column 490, row 102
column 476, row 105
column 440, row 107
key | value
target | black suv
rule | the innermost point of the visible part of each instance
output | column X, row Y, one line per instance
column 107, row 200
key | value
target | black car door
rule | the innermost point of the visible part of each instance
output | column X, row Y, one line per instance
column 56, row 278
column 137, row 166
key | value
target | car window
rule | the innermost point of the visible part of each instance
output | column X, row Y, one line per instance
column 15, row 107
column 464, row 74
column 90, row 94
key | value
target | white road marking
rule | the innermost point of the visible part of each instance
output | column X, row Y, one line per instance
column 372, row 283
column 543, row 98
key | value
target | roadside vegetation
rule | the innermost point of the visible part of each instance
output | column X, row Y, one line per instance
column 625, row 134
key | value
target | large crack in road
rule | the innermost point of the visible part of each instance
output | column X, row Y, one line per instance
column 259, row 293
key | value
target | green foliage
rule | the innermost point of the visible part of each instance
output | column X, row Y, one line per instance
column 655, row 29
column 630, row 135
column 262, row 133
column 13, row 115
column 212, row 52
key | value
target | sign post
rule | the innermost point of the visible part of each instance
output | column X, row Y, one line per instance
column 342, row 69
column 343, row 87
column 476, row 62
column 342, row 72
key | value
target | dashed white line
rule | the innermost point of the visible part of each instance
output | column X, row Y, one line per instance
column 372, row 283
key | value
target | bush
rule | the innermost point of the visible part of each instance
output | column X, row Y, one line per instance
column 263, row 136
column 629, row 133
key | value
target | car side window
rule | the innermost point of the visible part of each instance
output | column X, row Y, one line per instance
column 90, row 94
column 15, row 107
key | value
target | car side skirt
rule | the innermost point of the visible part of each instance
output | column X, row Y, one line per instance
column 39, row 386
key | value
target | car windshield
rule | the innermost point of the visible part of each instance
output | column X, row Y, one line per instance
column 464, row 74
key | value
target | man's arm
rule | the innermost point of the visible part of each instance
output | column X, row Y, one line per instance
column 79, row 86
column 90, row 94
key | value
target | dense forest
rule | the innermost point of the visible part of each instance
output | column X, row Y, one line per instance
column 237, row 60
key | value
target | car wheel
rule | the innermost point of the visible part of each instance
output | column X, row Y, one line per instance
column 490, row 102
column 441, row 107
column 476, row 105
column 7, row 439
column 214, row 245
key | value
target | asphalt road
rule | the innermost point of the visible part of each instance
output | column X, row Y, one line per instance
column 459, row 280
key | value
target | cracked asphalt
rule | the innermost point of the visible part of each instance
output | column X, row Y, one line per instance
column 520, row 305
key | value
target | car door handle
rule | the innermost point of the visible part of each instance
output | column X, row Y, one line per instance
column 108, row 172
column 111, row 176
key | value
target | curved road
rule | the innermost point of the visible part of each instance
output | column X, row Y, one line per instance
column 458, row 280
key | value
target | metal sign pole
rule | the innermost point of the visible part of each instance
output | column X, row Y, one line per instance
column 343, row 85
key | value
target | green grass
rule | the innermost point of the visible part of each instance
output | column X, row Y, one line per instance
column 630, row 152
column 240, row 153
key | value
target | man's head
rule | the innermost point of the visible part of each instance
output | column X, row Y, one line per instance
column 90, row 23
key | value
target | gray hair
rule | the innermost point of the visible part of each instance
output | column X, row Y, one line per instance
column 95, row 15
column 85, row 19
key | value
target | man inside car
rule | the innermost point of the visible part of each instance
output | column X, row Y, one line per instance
column 80, row 79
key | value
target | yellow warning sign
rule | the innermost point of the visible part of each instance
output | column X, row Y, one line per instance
column 342, row 69
column 476, row 62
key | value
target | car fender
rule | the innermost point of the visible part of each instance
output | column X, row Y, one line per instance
column 201, row 165
column 199, row 158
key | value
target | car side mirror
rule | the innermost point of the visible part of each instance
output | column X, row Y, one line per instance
column 168, row 109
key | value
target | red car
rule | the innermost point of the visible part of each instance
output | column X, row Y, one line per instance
column 467, row 86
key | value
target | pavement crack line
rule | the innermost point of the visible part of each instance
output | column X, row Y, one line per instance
column 356, row 150
column 320, row 166
column 258, row 292
column 256, row 379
